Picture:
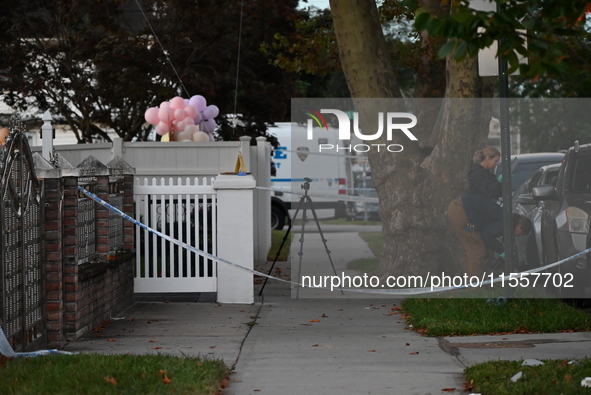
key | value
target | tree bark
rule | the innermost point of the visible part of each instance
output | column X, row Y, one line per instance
column 414, row 186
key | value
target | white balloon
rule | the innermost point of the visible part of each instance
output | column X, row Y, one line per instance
column 200, row 137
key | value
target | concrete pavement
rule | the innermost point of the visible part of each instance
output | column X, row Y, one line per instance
column 322, row 342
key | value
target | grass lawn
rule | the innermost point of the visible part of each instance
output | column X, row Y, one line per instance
column 451, row 317
column 554, row 377
column 367, row 265
column 111, row 374
column 277, row 237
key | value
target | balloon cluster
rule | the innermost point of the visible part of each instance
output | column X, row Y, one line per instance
column 188, row 119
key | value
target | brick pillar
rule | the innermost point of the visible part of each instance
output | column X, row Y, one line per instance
column 128, row 208
column 70, row 260
column 102, row 218
column 54, row 285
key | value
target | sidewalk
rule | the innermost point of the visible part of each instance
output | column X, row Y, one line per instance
column 321, row 343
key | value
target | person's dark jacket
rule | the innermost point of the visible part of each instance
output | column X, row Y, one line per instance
column 483, row 182
column 487, row 217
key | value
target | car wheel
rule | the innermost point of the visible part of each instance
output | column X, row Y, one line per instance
column 277, row 218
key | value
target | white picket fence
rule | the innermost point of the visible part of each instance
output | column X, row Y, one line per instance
column 213, row 215
column 185, row 210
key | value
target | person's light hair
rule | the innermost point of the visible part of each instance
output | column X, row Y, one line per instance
column 482, row 154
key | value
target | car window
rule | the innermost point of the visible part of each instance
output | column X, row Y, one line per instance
column 523, row 171
column 582, row 174
column 535, row 180
column 551, row 177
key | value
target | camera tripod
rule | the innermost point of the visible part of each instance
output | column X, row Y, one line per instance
column 305, row 201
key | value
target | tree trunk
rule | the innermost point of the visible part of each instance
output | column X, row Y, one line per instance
column 416, row 185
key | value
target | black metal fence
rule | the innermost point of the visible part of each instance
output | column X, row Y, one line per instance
column 21, row 243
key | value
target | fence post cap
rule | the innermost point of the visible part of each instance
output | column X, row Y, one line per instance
column 233, row 181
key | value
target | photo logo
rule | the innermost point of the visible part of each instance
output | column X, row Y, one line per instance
column 316, row 116
column 349, row 121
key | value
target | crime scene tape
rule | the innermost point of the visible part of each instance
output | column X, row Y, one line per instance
column 394, row 292
column 345, row 198
column 7, row 350
column 324, row 154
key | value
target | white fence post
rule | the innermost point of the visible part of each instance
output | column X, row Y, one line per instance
column 263, row 200
column 46, row 136
column 235, row 238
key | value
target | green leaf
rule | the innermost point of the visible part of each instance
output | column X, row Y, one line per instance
column 446, row 49
column 460, row 52
column 422, row 20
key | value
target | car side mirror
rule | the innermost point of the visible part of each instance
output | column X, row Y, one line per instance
column 525, row 199
column 544, row 192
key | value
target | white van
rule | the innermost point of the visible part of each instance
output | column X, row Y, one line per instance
column 298, row 158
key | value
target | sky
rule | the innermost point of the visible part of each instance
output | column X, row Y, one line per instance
column 316, row 3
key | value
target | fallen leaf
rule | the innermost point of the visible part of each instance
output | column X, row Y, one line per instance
column 408, row 344
column 212, row 347
column 111, row 340
column 162, row 372
column 371, row 350
column 314, row 345
column 448, row 389
column 414, row 353
column 153, row 341
column 157, row 348
column 314, row 320
column 225, row 383
column 568, row 377
column 324, row 316
column 110, row 380
column 166, row 380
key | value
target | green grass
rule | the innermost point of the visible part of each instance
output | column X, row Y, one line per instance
column 276, row 240
column 451, row 317
column 374, row 241
column 111, row 374
column 554, row 377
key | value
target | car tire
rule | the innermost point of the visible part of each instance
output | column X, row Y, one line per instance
column 277, row 218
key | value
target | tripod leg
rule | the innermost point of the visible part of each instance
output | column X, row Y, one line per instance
column 323, row 239
column 301, row 253
column 282, row 243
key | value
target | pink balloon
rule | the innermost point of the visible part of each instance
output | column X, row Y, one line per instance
column 180, row 125
column 165, row 104
column 208, row 125
column 177, row 102
column 162, row 128
column 151, row 116
column 163, row 114
column 191, row 111
column 198, row 102
column 179, row 114
column 189, row 121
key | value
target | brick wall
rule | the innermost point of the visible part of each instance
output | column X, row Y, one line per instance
column 83, row 293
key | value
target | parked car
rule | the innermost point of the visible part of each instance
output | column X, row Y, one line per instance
column 525, row 165
column 529, row 247
column 565, row 212
column 366, row 210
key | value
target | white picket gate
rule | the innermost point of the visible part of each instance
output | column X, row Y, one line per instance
column 186, row 211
